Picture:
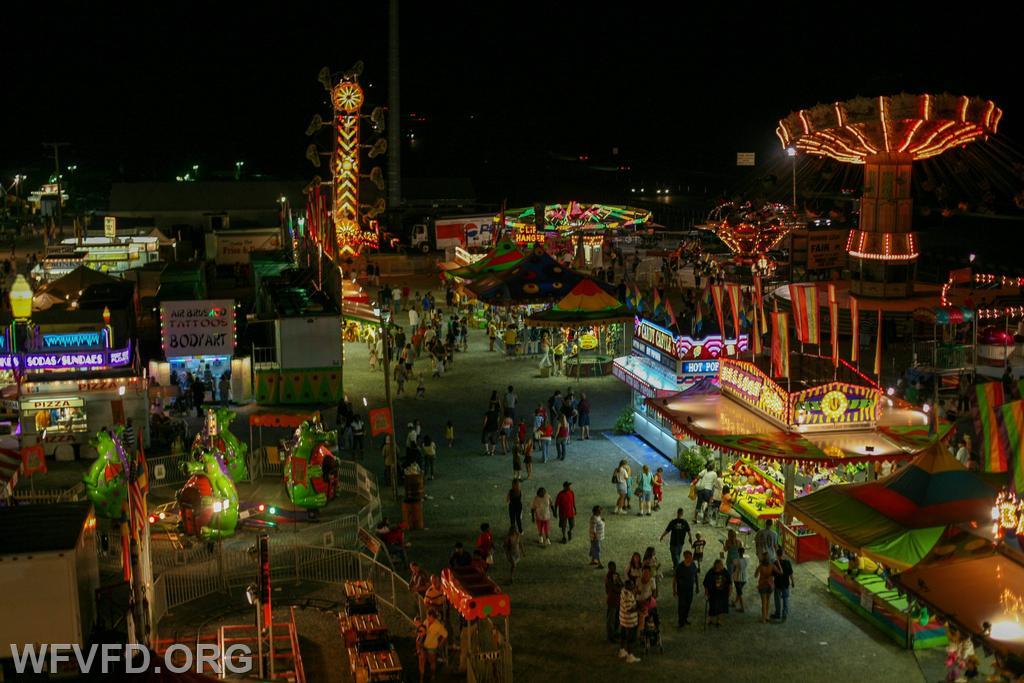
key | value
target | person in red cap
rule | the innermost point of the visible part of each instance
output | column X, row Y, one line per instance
column 565, row 503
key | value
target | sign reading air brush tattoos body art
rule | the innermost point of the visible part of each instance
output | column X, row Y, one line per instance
column 198, row 328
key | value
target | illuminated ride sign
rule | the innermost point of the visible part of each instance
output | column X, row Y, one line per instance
column 828, row 406
column 835, row 403
column 748, row 384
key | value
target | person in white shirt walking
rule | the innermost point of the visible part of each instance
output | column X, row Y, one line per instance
column 596, row 537
column 705, row 490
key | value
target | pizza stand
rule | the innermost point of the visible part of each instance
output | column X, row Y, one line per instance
column 790, row 441
column 478, row 601
column 77, row 375
column 888, row 526
column 196, row 335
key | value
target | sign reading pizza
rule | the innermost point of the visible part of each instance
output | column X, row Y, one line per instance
column 198, row 328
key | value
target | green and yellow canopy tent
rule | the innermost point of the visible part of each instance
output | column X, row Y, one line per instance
column 589, row 302
column 505, row 255
column 976, row 585
column 898, row 519
column 535, row 279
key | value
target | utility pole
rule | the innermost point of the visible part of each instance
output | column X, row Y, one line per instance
column 385, row 320
column 60, row 193
column 394, row 112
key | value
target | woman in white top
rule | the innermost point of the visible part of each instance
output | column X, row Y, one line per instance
column 540, row 510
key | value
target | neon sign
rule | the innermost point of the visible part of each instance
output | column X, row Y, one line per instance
column 67, row 361
column 700, row 367
column 682, row 347
column 71, row 341
column 656, row 336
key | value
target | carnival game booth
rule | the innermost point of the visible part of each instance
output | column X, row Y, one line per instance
column 786, row 442
column 592, row 318
column 977, row 587
column 80, row 373
column 888, row 526
column 478, row 601
column 199, row 337
column 661, row 364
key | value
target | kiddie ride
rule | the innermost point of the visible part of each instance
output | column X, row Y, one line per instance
column 217, row 436
column 311, row 469
column 208, row 502
column 106, row 482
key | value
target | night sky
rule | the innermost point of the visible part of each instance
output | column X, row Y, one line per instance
column 512, row 93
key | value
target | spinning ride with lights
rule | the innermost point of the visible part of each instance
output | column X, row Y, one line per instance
column 750, row 232
column 887, row 134
column 571, row 219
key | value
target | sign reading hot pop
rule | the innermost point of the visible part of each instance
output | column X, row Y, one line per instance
column 198, row 328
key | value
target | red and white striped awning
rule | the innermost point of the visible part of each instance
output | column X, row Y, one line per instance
column 10, row 466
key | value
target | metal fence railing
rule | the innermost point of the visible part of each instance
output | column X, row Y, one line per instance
column 167, row 470
column 47, row 496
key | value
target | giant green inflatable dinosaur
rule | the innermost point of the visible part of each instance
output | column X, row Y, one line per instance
column 106, row 482
column 311, row 470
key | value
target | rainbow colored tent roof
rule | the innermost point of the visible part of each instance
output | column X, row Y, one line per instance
column 587, row 302
column 505, row 255
column 898, row 519
column 535, row 279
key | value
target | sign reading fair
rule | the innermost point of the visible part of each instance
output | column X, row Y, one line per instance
column 198, row 328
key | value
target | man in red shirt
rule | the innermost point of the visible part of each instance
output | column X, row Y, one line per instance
column 565, row 503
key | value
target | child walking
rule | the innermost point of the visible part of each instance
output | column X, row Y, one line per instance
column 513, row 551
column 449, row 433
column 658, row 486
column 698, row 549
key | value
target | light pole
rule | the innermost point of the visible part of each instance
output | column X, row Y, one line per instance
column 791, row 152
column 238, row 169
column 385, row 326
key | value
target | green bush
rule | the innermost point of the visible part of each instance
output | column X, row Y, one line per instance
column 624, row 425
column 692, row 459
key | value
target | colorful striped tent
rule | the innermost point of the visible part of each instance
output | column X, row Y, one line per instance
column 505, row 255
column 538, row 278
column 975, row 585
column 898, row 519
column 587, row 303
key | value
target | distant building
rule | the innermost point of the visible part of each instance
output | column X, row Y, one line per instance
column 201, row 206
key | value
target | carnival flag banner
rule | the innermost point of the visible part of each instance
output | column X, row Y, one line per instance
column 755, row 332
column 735, row 300
column 855, row 326
column 1013, row 426
column 759, row 304
column 993, row 444
column 833, row 320
column 716, row 296
column 878, row 346
column 805, row 313
column 780, row 344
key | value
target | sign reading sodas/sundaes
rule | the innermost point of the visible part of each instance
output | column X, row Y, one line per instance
column 198, row 328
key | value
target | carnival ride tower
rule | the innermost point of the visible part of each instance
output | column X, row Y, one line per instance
column 887, row 134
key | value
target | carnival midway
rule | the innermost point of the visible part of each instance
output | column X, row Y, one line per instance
column 565, row 440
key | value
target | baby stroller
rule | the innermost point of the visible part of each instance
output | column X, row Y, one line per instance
column 650, row 637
